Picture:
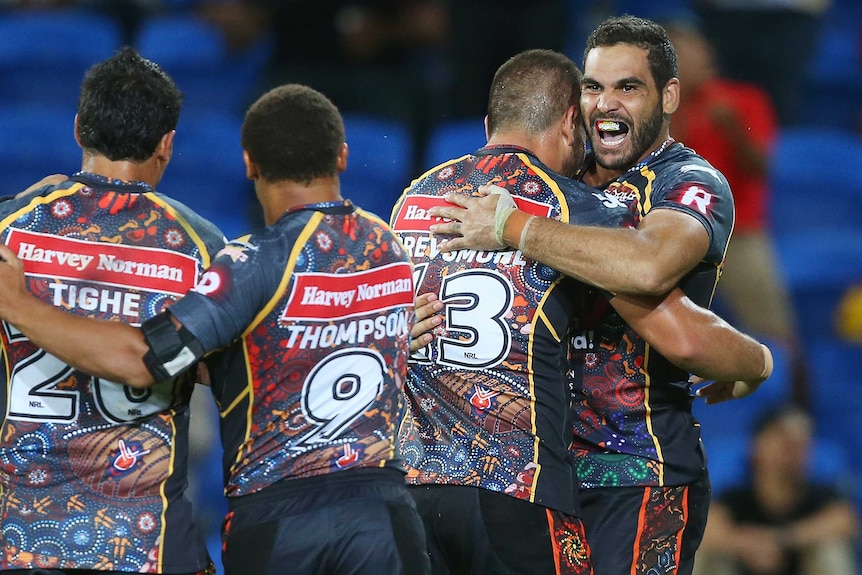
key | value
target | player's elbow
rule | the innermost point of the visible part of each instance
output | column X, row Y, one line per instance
column 129, row 367
column 684, row 352
column 139, row 379
column 652, row 281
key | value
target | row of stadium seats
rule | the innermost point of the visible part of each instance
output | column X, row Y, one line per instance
column 44, row 54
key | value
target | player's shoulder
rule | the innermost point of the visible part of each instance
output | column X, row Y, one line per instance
column 195, row 224
column 683, row 165
column 21, row 203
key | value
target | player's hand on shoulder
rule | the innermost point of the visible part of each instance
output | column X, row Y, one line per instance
column 473, row 220
column 51, row 180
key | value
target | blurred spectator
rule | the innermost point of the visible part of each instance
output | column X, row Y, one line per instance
column 849, row 315
column 780, row 522
column 732, row 124
column 767, row 42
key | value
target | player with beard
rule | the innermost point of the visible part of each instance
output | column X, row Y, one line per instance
column 644, row 484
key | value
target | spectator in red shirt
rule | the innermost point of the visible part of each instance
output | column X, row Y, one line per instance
column 732, row 124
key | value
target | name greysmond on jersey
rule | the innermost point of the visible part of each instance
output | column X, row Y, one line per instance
column 427, row 247
column 413, row 222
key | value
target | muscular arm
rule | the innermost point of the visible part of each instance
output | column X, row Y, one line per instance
column 651, row 259
column 107, row 349
column 695, row 339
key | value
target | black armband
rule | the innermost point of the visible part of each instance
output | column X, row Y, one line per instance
column 171, row 350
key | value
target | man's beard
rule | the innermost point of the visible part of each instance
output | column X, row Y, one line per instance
column 642, row 137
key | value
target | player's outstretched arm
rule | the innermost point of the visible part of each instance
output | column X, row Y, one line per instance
column 107, row 349
column 650, row 259
column 697, row 340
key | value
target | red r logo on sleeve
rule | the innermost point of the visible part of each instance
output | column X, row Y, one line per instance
column 698, row 197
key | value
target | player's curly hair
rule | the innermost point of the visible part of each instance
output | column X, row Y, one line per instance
column 294, row 133
column 126, row 105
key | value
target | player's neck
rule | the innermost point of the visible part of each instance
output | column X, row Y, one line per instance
column 125, row 170
column 541, row 146
column 278, row 197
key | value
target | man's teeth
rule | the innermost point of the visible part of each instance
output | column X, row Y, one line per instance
column 609, row 126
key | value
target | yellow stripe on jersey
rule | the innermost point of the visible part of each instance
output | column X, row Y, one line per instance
column 40, row 199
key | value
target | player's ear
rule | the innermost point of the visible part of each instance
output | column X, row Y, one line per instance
column 341, row 162
column 670, row 96
column 250, row 167
column 77, row 135
column 165, row 148
column 570, row 124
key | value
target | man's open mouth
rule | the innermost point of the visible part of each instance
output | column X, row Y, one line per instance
column 612, row 132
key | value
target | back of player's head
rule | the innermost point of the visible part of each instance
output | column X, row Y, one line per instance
column 644, row 34
column 293, row 133
column 531, row 91
column 127, row 103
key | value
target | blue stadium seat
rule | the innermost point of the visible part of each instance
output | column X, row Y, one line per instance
column 453, row 139
column 45, row 53
column 379, row 163
column 834, row 90
column 836, row 381
column 804, row 195
column 819, row 266
column 207, row 173
column 36, row 141
column 195, row 54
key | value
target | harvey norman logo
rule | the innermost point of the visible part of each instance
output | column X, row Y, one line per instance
column 151, row 269
column 415, row 212
column 331, row 296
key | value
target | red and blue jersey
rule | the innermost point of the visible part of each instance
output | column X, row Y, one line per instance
column 93, row 472
column 489, row 402
column 311, row 318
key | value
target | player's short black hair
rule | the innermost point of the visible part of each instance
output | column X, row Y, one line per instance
column 643, row 33
column 294, row 133
column 126, row 105
column 531, row 90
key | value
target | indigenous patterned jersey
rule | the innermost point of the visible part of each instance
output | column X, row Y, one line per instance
column 93, row 472
column 633, row 422
column 316, row 311
column 488, row 399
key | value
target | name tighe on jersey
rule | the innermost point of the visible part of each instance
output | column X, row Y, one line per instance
column 101, row 278
column 349, row 308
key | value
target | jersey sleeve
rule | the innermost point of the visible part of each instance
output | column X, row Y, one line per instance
column 701, row 191
column 230, row 295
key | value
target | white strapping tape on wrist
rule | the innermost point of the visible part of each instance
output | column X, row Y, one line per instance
column 505, row 207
